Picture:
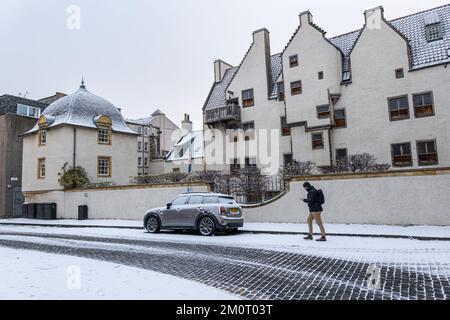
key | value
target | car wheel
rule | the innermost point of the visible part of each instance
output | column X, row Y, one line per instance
column 153, row 225
column 206, row 227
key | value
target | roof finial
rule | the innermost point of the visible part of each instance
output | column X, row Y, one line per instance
column 82, row 83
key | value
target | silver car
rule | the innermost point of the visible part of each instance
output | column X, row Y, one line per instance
column 204, row 212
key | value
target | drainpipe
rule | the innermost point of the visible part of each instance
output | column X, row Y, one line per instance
column 74, row 147
column 143, row 150
column 331, row 131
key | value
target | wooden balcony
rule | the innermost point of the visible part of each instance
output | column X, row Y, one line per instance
column 229, row 113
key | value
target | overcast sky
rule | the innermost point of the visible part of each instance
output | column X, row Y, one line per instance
column 142, row 55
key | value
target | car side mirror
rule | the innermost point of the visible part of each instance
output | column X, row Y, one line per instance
column 169, row 205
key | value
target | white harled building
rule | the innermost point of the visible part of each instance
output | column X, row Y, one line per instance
column 383, row 89
column 79, row 130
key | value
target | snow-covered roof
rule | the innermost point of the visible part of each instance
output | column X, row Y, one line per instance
column 217, row 97
column 423, row 53
column 191, row 145
column 142, row 121
column 81, row 108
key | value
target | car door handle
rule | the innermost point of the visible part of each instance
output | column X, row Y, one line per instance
column 178, row 209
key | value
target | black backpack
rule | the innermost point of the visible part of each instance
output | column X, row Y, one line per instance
column 320, row 197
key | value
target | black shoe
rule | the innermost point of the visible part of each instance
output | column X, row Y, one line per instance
column 310, row 237
column 322, row 239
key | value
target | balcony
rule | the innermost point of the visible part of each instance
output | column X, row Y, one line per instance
column 224, row 114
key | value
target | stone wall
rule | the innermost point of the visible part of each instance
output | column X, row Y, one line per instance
column 414, row 197
column 127, row 202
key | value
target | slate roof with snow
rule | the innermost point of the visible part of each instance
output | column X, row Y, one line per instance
column 218, row 98
column 80, row 109
column 423, row 53
column 277, row 67
column 191, row 142
column 141, row 122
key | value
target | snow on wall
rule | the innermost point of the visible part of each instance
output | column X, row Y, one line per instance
column 400, row 200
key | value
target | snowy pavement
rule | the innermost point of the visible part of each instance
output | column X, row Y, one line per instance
column 32, row 275
column 355, row 229
column 256, row 266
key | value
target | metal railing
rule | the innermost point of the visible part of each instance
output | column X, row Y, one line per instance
column 224, row 113
column 251, row 188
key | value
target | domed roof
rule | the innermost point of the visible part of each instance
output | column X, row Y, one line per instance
column 82, row 108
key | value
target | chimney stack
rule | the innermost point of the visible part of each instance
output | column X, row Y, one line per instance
column 220, row 67
column 305, row 18
column 186, row 124
column 374, row 17
column 261, row 37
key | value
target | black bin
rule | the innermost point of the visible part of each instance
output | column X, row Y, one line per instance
column 32, row 211
column 40, row 211
column 50, row 211
column 25, row 210
column 82, row 212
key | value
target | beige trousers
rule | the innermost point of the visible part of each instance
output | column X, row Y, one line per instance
column 318, row 217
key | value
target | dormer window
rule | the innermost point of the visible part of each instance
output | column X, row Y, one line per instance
column 434, row 32
column 104, row 125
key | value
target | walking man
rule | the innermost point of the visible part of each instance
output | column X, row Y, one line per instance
column 315, row 199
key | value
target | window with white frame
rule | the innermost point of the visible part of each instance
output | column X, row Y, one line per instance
column 28, row 111
column 41, row 168
column 104, row 136
column 104, row 167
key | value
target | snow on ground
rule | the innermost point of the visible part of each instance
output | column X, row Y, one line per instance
column 350, row 248
column 420, row 231
column 48, row 276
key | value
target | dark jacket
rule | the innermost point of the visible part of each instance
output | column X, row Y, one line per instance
column 311, row 200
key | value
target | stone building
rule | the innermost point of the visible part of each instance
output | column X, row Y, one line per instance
column 157, row 135
column 382, row 89
column 187, row 154
column 17, row 115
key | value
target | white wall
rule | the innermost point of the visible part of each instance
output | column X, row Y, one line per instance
column 266, row 114
column 399, row 200
column 376, row 56
column 59, row 150
column 315, row 54
column 130, row 203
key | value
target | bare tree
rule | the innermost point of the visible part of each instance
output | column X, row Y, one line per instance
column 298, row 168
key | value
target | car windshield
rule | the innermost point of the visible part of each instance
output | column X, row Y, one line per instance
column 227, row 200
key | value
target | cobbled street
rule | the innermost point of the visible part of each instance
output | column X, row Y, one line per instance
column 249, row 272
